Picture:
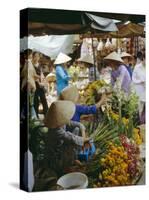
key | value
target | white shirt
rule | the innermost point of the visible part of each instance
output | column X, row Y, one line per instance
column 139, row 78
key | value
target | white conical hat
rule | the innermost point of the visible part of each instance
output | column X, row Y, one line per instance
column 125, row 54
column 62, row 58
column 88, row 59
column 114, row 56
column 70, row 93
column 59, row 114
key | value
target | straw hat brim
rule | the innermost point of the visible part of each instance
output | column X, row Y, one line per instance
column 59, row 114
column 86, row 59
column 62, row 58
column 70, row 93
column 115, row 61
column 114, row 57
column 124, row 54
column 51, row 77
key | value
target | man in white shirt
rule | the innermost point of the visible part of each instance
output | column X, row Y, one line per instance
column 139, row 78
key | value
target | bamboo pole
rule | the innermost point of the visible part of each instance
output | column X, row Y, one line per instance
column 94, row 59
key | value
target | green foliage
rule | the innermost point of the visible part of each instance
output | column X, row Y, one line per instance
column 126, row 106
column 37, row 139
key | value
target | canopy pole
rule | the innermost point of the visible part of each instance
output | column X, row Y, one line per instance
column 94, row 59
column 117, row 41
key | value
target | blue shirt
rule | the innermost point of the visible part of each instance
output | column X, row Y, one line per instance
column 83, row 110
column 128, row 67
column 62, row 78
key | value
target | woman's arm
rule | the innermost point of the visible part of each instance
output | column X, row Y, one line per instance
column 70, row 137
column 86, row 110
column 61, row 73
column 102, row 101
column 74, row 124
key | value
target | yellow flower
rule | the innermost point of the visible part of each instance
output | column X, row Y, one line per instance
column 125, row 121
column 103, row 160
column 110, row 144
column 109, row 178
column 136, row 130
column 136, row 136
column 115, row 116
column 119, row 178
column 116, row 167
column 105, row 173
column 139, row 141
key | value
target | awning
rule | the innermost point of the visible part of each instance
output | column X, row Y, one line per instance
column 48, row 45
column 128, row 30
column 102, row 24
column 37, row 21
column 124, row 31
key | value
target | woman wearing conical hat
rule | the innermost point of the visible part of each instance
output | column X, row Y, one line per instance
column 62, row 77
column 88, row 62
column 71, row 93
column 126, row 57
column 119, row 72
column 64, row 136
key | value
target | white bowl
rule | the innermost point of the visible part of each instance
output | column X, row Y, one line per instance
column 75, row 180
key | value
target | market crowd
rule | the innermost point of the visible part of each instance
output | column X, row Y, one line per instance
column 41, row 77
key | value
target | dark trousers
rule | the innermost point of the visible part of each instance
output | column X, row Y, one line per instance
column 40, row 97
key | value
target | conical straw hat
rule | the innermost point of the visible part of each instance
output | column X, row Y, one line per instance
column 87, row 59
column 62, row 58
column 51, row 77
column 114, row 56
column 59, row 114
column 70, row 93
column 125, row 54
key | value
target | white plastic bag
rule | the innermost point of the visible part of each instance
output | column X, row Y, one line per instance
column 28, row 175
